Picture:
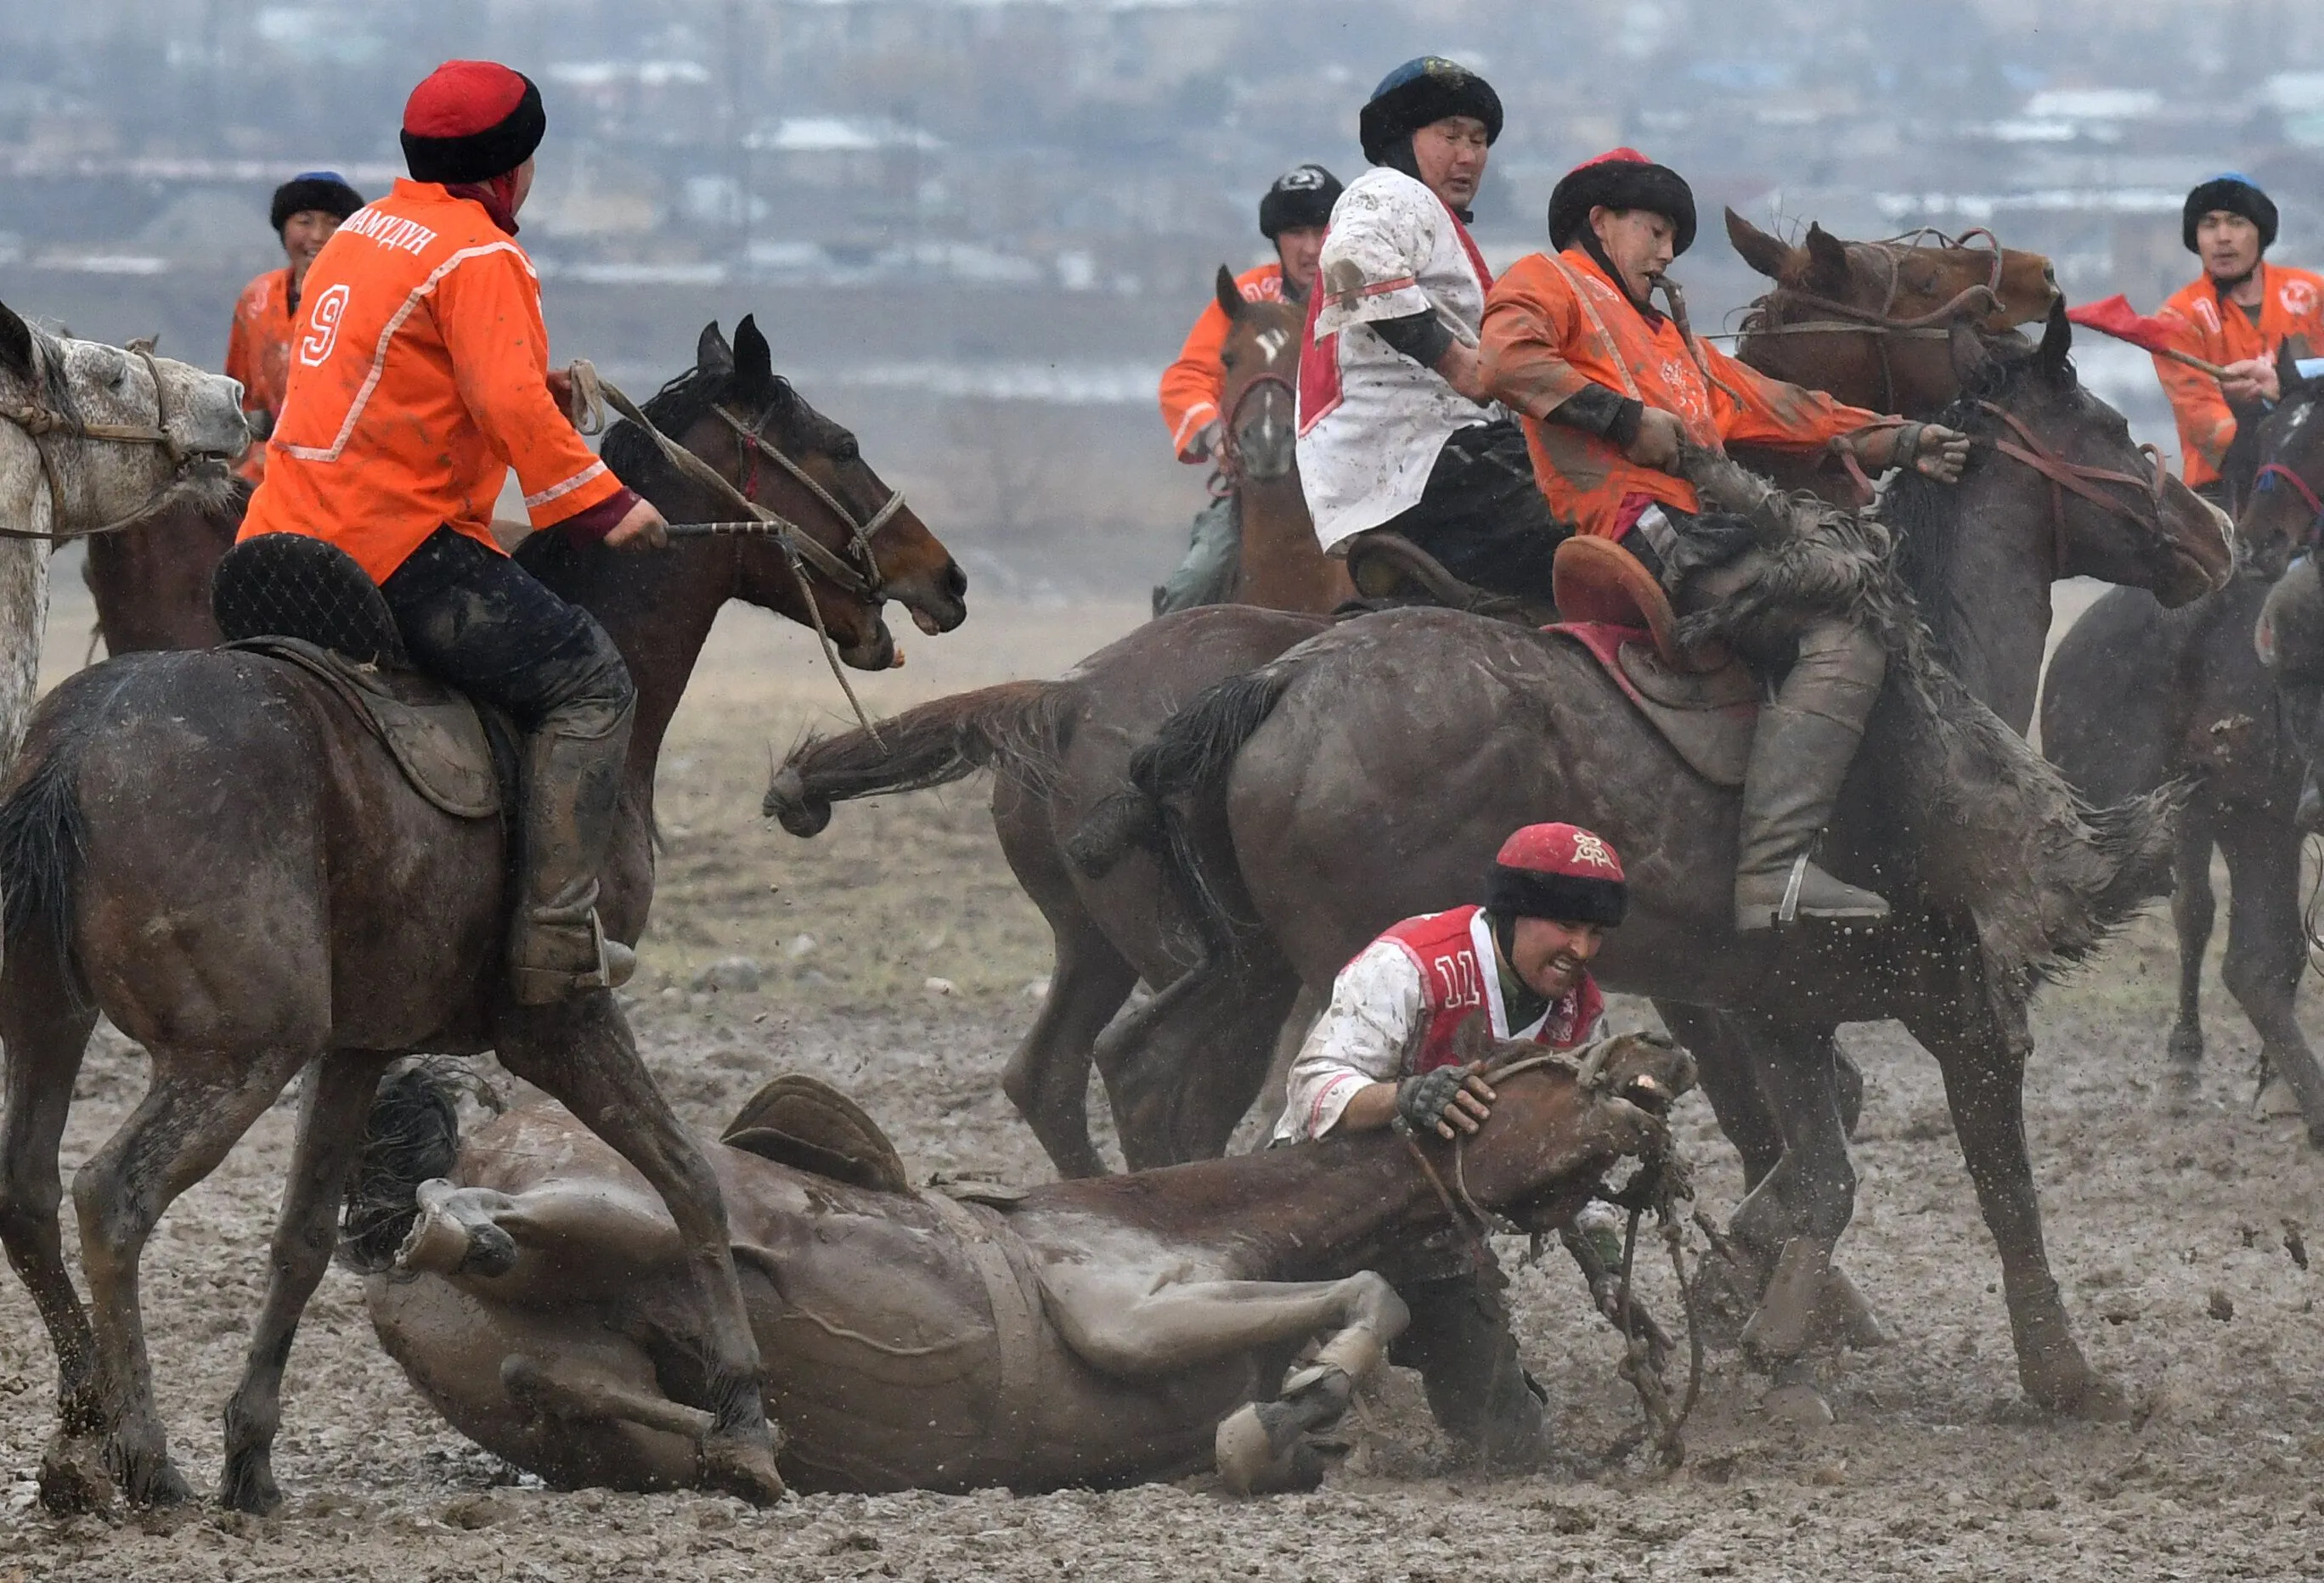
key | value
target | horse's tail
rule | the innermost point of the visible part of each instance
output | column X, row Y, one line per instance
column 2125, row 862
column 1189, row 758
column 413, row 1136
column 44, row 835
column 1012, row 728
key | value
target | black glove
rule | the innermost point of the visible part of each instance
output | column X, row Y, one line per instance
column 1422, row 1102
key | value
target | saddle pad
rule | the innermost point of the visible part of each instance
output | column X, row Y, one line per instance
column 435, row 735
column 805, row 1123
column 1706, row 718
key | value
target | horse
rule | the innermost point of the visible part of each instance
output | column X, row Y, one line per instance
column 2137, row 695
column 1282, row 566
column 1061, row 748
column 210, row 850
column 94, row 440
column 151, row 581
column 1084, row 1333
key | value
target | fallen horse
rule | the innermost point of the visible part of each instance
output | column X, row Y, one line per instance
column 1097, row 1332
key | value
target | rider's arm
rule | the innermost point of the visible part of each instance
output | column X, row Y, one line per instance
column 1191, row 386
column 1347, row 1069
column 1755, row 409
column 488, row 312
column 1531, row 320
column 2207, row 425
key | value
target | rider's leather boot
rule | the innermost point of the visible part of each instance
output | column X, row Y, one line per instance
column 1800, row 754
column 556, row 947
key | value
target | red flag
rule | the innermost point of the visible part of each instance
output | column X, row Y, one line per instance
column 2115, row 317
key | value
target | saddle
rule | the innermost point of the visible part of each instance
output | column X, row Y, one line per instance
column 307, row 604
column 805, row 1124
column 1705, row 701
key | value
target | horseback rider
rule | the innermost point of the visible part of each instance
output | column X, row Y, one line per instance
column 2238, row 313
column 1610, row 387
column 1396, row 431
column 421, row 377
column 1383, row 1053
column 1292, row 215
column 306, row 210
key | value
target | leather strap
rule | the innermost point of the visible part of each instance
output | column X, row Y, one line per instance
column 1010, row 1294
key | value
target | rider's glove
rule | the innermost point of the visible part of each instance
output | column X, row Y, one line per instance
column 1422, row 1102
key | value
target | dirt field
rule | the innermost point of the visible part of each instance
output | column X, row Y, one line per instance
column 2167, row 1225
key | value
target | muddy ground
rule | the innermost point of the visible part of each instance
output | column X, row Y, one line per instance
column 2167, row 1223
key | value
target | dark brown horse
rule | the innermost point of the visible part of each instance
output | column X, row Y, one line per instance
column 2138, row 695
column 1283, row 566
column 151, row 581
column 1092, row 1333
column 207, row 847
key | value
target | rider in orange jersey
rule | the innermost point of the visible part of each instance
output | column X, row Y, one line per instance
column 1292, row 215
column 306, row 210
column 419, row 379
column 2238, row 313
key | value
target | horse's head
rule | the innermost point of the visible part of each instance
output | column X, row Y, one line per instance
column 759, row 433
column 2110, row 508
column 106, row 432
column 1551, row 1134
column 1903, row 290
column 1261, row 358
column 2283, row 509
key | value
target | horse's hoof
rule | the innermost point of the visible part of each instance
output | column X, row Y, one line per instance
column 742, row 1468
column 248, row 1486
column 73, row 1476
column 1787, row 1322
column 1844, row 1315
column 2082, row 1392
column 1800, row 1407
column 2185, row 1049
column 153, row 1481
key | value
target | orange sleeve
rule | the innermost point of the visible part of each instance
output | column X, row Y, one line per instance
column 242, row 354
column 1531, row 319
column 1191, row 386
column 488, row 311
column 1756, row 409
column 2207, row 427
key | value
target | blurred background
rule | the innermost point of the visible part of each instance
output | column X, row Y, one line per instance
column 975, row 230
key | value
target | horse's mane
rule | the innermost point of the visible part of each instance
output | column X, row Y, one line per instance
column 56, row 392
column 677, row 406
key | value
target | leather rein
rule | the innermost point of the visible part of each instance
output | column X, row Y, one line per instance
column 41, row 422
column 2073, row 477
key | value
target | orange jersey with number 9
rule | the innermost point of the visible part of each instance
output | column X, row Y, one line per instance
column 418, row 378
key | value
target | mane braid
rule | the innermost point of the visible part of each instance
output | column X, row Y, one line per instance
column 56, row 383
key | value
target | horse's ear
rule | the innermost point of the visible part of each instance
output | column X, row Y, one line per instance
column 1972, row 356
column 15, row 344
column 1229, row 294
column 1765, row 253
column 754, row 360
column 1828, row 268
column 711, row 352
column 2058, row 346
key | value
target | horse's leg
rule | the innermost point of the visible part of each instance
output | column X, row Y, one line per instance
column 1730, row 1081
column 580, row 1051
column 2191, row 912
column 196, row 1110
column 1048, row 1077
column 1198, row 1033
column 1814, row 1189
column 45, row 1034
column 2266, row 949
column 1981, row 1051
column 1275, row 1088
column 1131, row 1330
column 339, row 1090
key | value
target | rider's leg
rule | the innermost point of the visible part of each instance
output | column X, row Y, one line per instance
column 1482, row 516
column 1480, row 1395
column 478, row 620
column 1213, row 556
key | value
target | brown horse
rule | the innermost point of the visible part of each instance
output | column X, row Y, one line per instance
column 1283, row 566
column 2138, row 695
column 207, row 847
column 151, row 581
column 1091, row 1333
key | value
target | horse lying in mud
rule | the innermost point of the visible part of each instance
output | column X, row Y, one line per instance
column 1095, row 1332
column 2138, row 695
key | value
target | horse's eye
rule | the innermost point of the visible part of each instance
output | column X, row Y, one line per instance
column 845, row 450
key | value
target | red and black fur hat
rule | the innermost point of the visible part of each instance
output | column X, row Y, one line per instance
column 470, row 121
column 1558, row 871
column 1621, row 179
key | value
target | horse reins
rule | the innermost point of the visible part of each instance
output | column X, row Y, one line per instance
column 2301, row 487
column 39, row 422
column 2074, row 477
column 1230, row 450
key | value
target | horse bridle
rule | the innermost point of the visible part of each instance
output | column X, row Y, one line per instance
column 2301, row 487
column 2074, row 477
column 39, row 422
column 1230, row 451
column 865, row 580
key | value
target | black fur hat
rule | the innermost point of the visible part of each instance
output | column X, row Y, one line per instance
column 326, row 191
column 1420, row 93
column 1623, row 179
column 2236, row 193
column 1302, row 195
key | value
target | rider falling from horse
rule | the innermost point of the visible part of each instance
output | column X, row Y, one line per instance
column 1292, row 215
column 1383, row 1053
column 420, row 376
column 307, row 210
column 2237, row 314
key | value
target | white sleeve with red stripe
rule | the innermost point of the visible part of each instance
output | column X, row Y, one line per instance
column 1361, row 1039
column 1382, row 237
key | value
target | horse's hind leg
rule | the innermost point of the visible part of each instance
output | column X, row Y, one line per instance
column 1183, row 1068
column 2193, row 908
column 580, row 1052
column 1730, row 1081
column 198, row 1107
column 2266, row 950
column 45, row 1033
column 332, row 1114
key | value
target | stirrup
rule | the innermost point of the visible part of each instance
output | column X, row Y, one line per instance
column 534, row 985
